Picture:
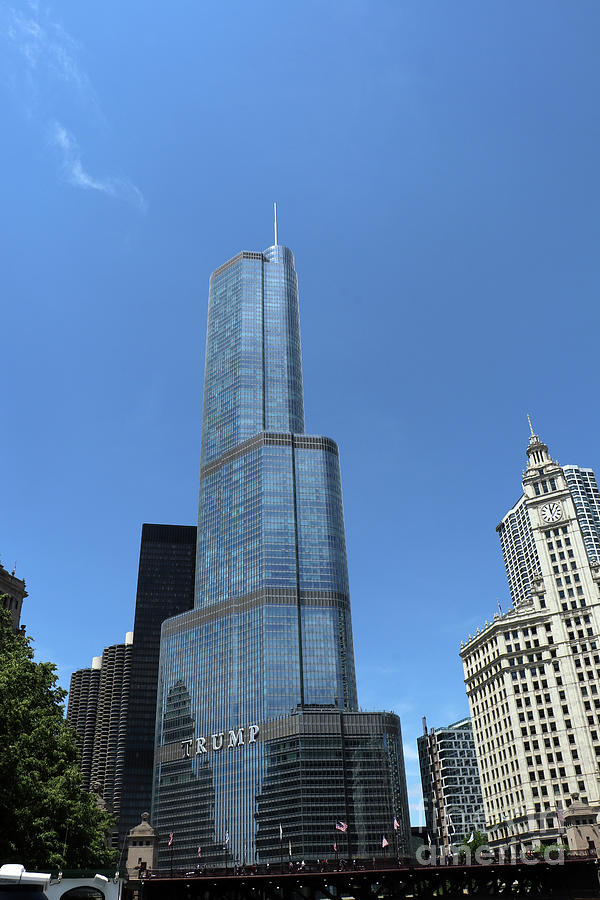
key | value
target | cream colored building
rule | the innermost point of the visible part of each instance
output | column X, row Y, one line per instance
column 532, row 674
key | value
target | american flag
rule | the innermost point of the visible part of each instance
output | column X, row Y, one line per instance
column 170, row 844
column 341, row 826
column 396, row 824
column 199, row 851
column 384, row 842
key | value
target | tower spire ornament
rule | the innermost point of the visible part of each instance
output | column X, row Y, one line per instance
column 530, row 426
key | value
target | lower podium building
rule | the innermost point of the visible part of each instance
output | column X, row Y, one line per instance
column 260, row 792
column 260, row 747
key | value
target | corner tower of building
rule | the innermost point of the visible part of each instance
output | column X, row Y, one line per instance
column 257, row 684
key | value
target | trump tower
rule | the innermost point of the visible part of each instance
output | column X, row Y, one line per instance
column 260, row 747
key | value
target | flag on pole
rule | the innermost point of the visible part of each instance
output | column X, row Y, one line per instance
column 560, row 816
column 280, row 832
column 429, row 840
column 170, row 844
column 290, row 848
column 499, row 607
column 226, row 837
column 396, row 824
column 341, row 826
column 470, row 838
column 384, row 842
column 335, row 846
column 199, row 851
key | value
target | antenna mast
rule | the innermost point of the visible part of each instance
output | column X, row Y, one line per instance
column 275, row 214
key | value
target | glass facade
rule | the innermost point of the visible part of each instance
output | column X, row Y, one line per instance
column 451, row 784
column 269, row 641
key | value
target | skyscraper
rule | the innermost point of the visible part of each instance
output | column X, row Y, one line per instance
column 165, row 587
column 532, row 673
column 257, row 721
column 586, row 497
column 82, row 713
column 451, row 784
column 97, row 710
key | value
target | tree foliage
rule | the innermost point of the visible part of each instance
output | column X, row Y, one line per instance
column 46, row 820
column 478, row 840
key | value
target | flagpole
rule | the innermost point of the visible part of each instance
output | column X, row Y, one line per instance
column 280, row 848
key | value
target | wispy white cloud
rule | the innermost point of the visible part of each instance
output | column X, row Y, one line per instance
column 75, row 174
column 40, row 55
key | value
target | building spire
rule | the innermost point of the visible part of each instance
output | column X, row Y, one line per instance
column 275, row 216
column 537, row 451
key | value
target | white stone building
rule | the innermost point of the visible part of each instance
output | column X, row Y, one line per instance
column 532, row 674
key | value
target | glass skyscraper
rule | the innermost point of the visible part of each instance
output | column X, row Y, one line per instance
column 258, row 732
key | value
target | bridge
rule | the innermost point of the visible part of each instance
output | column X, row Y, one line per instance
column 569, row 879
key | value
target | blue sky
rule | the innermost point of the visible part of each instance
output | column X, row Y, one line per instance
column 436, row 170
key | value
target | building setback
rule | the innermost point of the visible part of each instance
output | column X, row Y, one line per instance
column 532, row 674
column 451, row 785
column 165, row 587
column 257, row 718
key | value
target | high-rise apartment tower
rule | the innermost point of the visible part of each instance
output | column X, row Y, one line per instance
column 97, row 710
column 451, row 784
column 533, row 673
column 257, row 719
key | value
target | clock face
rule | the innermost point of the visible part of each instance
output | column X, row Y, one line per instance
column 551, row 512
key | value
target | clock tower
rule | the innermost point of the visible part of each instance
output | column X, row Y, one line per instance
column 533, row 673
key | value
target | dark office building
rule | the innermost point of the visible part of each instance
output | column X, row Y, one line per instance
column 165, row 588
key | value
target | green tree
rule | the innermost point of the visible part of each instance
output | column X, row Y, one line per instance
column 46, row 820
column 478, row 839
